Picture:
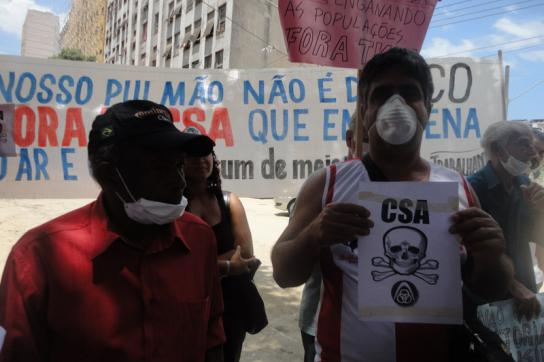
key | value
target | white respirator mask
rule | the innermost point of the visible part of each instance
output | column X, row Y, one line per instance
column 516, row 167
column 150, row 212
column 396, row 122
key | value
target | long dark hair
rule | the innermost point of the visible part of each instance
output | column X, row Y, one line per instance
column 213, row 181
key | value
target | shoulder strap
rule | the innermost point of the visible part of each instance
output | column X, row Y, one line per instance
column 226, row 200
column 374, row 173
column 470, row 197
column 330, row 188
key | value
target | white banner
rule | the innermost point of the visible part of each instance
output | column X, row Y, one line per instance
column 7, row 146
column 272, row 127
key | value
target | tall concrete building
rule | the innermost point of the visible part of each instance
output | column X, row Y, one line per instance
column 194, row 33
column 84, row 29
column 40, row 37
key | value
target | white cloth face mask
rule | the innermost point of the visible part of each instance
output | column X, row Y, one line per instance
column 516, row 167
column 150, row 212
column 396, row 122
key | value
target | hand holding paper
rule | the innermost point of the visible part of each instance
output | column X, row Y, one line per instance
column 480, row 234
column 340, row 223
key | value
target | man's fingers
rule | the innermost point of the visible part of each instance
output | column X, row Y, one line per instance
column 347, row 219
column 469, row 213
column 490, row 248
column 345, row 208
column 467, row 225
column 527, row 308
column 337, row 233
column 481, row 234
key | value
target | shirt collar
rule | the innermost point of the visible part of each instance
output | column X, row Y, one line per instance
column 490, row 176
column 493, row 181
column 111, row 253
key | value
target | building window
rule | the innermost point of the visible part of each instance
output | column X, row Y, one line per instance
column 177, row 39
column 156, row 24
column 219, row 59
column 144, row 32
column 195, row 64
column 208, row 44
column 211, row 15
column 208, row 61
column 189, row 6
column 185, row 66
column 186, row 42
column 196, row 46
column 222, row 19
column 186, row 57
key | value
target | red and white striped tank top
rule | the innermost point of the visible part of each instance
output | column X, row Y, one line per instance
column 341, row 336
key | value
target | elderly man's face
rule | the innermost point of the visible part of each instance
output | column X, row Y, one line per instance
column 153, row 175
column 382, row 89
column 521, row 147
column 539, row 147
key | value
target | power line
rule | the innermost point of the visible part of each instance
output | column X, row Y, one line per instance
column 454, row 4
column 247, row 31
column 485, row 16
column 527, row 90
column 490, row 46
column 484, row 10
column 467, row 7
column 514, row 50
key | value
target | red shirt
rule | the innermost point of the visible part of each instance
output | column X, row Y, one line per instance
column 72, row 290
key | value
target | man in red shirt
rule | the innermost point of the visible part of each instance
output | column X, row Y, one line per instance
column 129, row 277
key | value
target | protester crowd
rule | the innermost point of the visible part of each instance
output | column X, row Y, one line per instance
column 160, row 266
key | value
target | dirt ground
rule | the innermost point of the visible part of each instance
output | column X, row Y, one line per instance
column 279, row 342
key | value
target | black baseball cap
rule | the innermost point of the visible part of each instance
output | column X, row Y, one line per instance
column 143, row 123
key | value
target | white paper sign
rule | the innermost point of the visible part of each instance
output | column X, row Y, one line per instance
column 7, row 145
column 524, row 339
column 409, row 268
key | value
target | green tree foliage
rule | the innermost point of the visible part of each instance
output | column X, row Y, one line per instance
column 74, row 54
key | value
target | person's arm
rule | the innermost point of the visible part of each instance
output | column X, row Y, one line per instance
column 539, row 254
column 235, row 262
column 240, row 226
column 216, row 335
column 312, row 227
column 22, row 309
column 526, row 303
column 534, row 194
column 488, row 273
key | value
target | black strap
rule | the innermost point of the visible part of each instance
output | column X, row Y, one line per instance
column 374, row 173
column 226, row 200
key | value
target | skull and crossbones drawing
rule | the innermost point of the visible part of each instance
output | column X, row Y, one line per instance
column 405, row 248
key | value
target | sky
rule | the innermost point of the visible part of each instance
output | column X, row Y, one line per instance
column 459, row 28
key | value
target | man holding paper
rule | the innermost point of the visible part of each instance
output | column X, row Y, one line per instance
column 395, row 90
column 514, row 201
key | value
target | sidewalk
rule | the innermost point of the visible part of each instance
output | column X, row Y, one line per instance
column 279, row 342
